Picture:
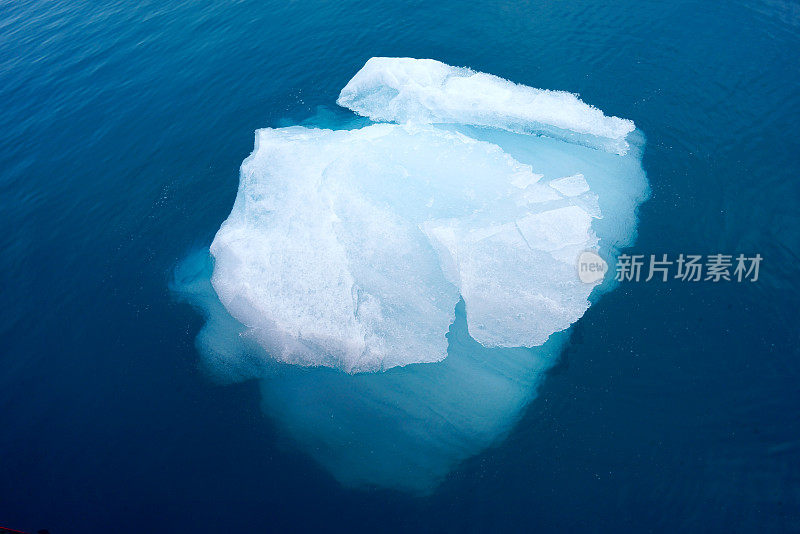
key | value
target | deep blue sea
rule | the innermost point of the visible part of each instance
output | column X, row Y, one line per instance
column 674, row 407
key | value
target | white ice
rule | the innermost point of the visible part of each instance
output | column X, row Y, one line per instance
column 351, row 248
column 425, row 90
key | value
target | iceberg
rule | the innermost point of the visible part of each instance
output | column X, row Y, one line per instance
column 401, row 288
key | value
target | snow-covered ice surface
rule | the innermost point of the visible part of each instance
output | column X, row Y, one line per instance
column 402, row 268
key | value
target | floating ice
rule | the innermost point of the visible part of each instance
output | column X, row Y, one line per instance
column 348, row 251
column 350, row 248
column 425, row 90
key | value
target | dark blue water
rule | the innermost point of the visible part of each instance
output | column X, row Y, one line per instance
column 122, row 126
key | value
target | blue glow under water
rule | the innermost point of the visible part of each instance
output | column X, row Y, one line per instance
column 122, row 126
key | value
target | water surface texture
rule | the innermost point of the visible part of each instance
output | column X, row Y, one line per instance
column 122, row 127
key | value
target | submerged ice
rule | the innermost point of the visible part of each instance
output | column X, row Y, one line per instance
column 350, row 249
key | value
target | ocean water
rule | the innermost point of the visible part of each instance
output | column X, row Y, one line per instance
column 122, row 126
